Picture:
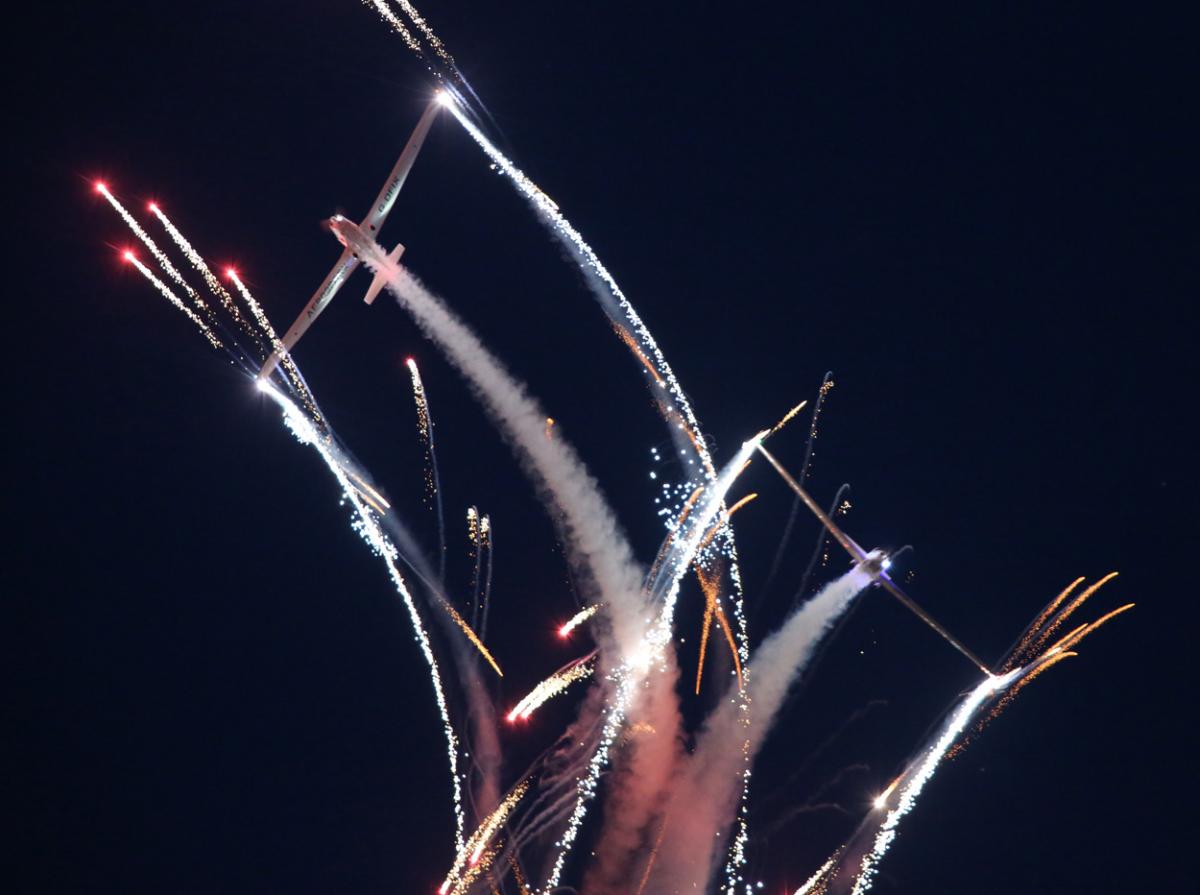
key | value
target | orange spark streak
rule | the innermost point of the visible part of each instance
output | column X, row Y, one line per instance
column 1032, row 631
column 653, row 855
column 709, row 586
column 737, row 665
column 787, row 417
column 1074, row 638
column 471, row 635
column 1071, row 607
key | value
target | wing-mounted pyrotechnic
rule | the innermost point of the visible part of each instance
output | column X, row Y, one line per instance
column 349, row 260
column 876, row 562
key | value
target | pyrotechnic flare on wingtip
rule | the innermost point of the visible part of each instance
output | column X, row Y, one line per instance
column 349, row 259
column 876, row 562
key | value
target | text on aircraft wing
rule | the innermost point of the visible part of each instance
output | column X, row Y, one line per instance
column 391, row 188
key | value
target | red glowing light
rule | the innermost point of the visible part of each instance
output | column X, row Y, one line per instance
column 128, row 255
column 101, row 186
column 153, row 207
column 231, row 272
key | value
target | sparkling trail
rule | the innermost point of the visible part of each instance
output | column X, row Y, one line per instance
column 306, row 432
column 197, row 261
column 285, row 357
column 163, row 261
column 551, row 687
column 471, row 635
column 433, row 485
column 471, row 851
column 578, row 619
column 173, row 299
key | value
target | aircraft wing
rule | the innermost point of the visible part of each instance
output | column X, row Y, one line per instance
column 321, row 298
column 391, row 188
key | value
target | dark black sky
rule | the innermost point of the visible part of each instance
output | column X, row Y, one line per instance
column 982, row 220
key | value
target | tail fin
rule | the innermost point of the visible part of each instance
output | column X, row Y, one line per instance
column 377, row 283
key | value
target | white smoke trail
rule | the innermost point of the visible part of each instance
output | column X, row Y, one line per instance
column 622, row 313
column 593, row 532
column 705, row 797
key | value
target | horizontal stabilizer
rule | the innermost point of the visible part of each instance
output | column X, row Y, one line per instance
column 377, row 283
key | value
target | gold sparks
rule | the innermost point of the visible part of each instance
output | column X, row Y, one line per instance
column 710, row 583
column 471, row 635
column 1066, row 613
column 787, row 417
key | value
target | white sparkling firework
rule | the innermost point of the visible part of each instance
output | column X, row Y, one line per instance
column 197, row 261
column 173, row 299
column 285, row 358
column 163, row 261
column 368, row 528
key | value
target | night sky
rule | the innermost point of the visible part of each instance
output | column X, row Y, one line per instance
column 982, row 221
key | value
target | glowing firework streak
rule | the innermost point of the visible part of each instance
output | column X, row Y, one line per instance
column 173, row 298
column 787, row 417
column 578, row 619
column 163, row 261
column 432, row 482
column 473, row 849
column 392, row 19
column 914, row 780
column 1066, row 613
column 1027, row 636
column 427, row 32
column 593, row 269
column 471, row 636
column 306, row 432
column 551, row 687
column 285, row 359
column 197, row 261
